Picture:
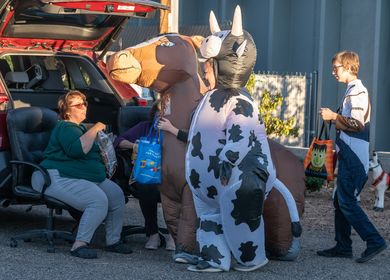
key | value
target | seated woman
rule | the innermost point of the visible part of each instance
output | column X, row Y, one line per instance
column 149, row 195
column 78, row 177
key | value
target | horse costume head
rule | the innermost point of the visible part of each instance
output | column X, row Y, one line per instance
column 159, row 63
column 233, row 52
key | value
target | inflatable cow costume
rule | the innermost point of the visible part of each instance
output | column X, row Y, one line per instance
column 228, row 162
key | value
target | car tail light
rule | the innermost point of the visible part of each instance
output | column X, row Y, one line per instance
column 3, row 98
column 142, row 102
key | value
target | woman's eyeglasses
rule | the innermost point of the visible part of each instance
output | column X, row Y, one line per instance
column 80, row 105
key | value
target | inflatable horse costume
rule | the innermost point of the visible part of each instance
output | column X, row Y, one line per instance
column 168, row 64
column 228, row 162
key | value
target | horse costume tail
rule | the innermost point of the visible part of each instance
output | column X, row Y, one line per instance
column 296, row 227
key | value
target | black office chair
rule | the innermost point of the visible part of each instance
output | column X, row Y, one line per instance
column 4, row 67
column 29, row 133
column 128, row 117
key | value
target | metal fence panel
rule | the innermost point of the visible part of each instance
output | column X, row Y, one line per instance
column 298, row 91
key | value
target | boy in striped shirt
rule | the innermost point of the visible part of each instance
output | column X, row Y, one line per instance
column 352, row 146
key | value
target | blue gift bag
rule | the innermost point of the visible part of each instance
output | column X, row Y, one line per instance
column 147, row 166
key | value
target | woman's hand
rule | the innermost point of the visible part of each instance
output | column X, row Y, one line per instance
column 327, row 114
column 88, row 138
column 166, row 125
column 98, row 127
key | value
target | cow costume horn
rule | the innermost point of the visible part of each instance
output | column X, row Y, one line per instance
column 214, row 26
column 237, row 22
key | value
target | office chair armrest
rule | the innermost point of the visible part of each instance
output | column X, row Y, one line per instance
column 124, row 160
column 120, row 156
column 43, row 171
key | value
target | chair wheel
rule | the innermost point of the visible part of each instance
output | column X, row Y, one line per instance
column 13, row 243
column 51, row 250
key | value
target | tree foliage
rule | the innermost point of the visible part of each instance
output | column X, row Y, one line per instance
column 269, row 103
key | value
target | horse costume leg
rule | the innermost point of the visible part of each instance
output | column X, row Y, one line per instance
column 179, row 218
column 187, row 223
column 171, row 214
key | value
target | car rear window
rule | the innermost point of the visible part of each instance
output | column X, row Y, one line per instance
column 37, row 79
column 31, row 16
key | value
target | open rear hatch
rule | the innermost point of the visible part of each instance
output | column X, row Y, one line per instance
column 68, row 24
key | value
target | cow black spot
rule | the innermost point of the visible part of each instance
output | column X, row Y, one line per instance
column 248, row 251
column 211, row 253
column 222, row 141
column 252, row 138
column 248, row 205
column 232, row 156
column 194, row 178
column 254, row 154
column 214, row 165
column 235, row 133
column 244, row 108
column 211, row 226
column 221, row 96
column 212, row 192
column 197, row 146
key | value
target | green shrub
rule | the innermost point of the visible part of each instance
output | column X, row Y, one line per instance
column 269, row 103
column 313, row 184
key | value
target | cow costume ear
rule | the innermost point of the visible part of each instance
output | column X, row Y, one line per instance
column 214, row 26
column 240, row 50
column 237, row 22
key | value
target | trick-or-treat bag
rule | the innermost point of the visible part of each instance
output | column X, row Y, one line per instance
column 107, row 151
column 319, row 158
column 147, row 166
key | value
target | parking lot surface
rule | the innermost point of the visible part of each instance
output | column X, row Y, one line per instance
column 31, row 261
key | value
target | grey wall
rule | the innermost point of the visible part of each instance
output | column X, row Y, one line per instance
column 381, row 82
column 303, row 36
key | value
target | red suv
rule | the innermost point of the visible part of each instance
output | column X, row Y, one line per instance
column 48, row 47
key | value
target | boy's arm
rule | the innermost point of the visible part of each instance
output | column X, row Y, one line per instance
column 348, row 124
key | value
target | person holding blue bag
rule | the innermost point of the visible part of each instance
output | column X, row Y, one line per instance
column 148, row 194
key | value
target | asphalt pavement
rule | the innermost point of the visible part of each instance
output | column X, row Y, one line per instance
column 31, row 261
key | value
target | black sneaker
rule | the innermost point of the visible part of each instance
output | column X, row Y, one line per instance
column 334, row 252
column 369, row 253
column 120, row 248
